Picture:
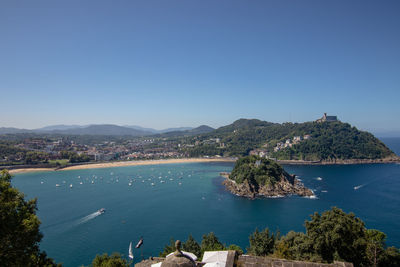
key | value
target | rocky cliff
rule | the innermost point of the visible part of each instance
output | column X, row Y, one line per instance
column 280, row 189
column 254, row 177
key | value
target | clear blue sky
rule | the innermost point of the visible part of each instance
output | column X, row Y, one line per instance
column 184, row 63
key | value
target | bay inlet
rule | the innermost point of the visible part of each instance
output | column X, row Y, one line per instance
column 190, row 199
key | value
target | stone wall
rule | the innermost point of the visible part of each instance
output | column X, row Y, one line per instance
column 253, row 261
column 149, row 262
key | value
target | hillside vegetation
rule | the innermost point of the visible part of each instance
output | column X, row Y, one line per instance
column 344, row 238
column 258, row 171
column 254, row 177
column 324, row 141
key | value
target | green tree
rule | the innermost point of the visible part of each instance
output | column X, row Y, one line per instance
column 19, row 228
column 210, row 243
column 375, row 246
column 34, row 157
column 336, row 235
column 281, row 250
column 113, row 260
column 377, row 253
column 192, row 246
column 257, row 171
column 261, row 243
column 390, row 258
column 168, row 248
column 236, row 248
column 295, row 246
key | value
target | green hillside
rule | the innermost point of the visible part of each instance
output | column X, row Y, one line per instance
column 315, row 141
column 257, row 171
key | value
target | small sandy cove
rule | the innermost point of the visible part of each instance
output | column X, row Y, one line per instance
column 125, row 163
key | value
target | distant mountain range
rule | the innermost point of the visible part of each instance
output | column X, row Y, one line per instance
column 203, row 129
column 151, row 130
column 60, row 127
column 108, row 129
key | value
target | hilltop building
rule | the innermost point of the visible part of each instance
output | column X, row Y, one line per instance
column 327, row 118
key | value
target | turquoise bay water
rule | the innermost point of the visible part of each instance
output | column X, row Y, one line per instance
column 192, row 200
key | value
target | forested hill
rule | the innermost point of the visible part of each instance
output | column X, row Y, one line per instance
column 310, row 141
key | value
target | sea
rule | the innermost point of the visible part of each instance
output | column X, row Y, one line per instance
column 160, row 202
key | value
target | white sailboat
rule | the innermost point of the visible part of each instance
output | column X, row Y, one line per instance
column 130, row 251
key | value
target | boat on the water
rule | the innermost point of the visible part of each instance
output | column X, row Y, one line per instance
column 102, row 210
column 140, row 243
column 130, row 251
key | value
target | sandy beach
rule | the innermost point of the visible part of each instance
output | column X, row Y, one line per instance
column 126, row 163
column 16, row 171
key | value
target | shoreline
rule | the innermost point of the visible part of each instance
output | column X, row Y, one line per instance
column 26, row 170
column 341, row 162
column 194, row 160
column 123, row 164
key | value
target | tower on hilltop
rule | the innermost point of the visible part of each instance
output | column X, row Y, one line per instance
column 327, row 118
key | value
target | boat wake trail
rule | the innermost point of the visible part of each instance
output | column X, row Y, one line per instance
column 373, row 181
column 89, row 217
column 68, row 224
column 60, row 223
column 359, row 186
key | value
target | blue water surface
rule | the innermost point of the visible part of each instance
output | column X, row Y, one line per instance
column 189, row 199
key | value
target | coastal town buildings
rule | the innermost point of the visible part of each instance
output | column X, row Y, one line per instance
column 290, row 142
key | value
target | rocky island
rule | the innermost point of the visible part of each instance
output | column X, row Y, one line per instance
column 254, row 177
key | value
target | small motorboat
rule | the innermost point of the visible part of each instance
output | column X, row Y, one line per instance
column 102, row 210
column 140, row 243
